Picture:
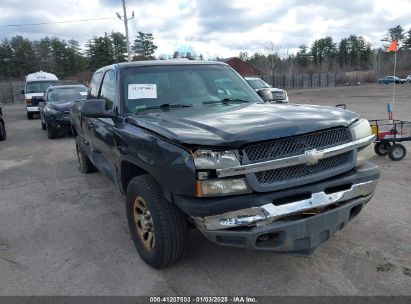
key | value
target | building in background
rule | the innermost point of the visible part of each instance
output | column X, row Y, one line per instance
column 243, row 68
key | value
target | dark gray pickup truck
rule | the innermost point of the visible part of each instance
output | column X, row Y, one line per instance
column 193, row 143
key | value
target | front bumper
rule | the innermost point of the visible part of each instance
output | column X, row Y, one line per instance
column 299, row 237
column 277, row 210
column 58, row 122
column 293, row 220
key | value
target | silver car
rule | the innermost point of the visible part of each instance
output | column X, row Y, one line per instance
column 279, row 95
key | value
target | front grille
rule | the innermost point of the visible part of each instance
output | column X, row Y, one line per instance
column 300, row 171
column 296, row 145
column 36, row 99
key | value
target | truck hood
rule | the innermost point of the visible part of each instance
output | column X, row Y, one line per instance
column 235, row 125
column 61, row 105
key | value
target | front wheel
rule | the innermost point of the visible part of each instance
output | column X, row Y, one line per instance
column 84, row 163
column 29, row 115
column 158, row 228
column 43, row 125
column 382, row 148
column 397, row 152
column 51, row 132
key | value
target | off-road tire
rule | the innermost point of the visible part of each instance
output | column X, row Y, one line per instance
column 170, row 225
column 84, row 163
column 382, row 148
column 3, row 135
column 397, row 152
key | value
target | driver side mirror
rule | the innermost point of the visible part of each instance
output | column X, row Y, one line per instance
column 95, row 108
column 265, row 94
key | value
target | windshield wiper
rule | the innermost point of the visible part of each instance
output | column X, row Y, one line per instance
column 165, row 106
column 226, row 100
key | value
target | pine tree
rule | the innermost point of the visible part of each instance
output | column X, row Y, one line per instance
column 144, row 47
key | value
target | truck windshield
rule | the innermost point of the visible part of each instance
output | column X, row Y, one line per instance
column 258, row 84
column 66, row 94
column 150, row 87
column 39, row 86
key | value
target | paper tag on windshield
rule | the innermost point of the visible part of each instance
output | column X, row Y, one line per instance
column 139, row 91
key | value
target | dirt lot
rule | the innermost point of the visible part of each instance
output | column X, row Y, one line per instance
column 64, row 233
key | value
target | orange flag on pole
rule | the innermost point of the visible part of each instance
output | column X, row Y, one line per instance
column 393, row 46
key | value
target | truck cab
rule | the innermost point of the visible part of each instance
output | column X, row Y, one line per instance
column 36, row 84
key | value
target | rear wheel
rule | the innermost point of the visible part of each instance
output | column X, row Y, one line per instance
column 2, row 131
column 397, row 152
column 158, row 228
column 382, row 148
column 84, row 164
column 29, row 115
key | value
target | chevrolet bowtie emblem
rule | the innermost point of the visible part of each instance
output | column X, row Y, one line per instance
column 313, row 156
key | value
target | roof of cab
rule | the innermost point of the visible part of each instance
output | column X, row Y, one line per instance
column 180, row 61
column 67, row 86
column 41, row 76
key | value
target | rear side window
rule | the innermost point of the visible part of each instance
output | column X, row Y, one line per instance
column 95, row 85
column 108, row 89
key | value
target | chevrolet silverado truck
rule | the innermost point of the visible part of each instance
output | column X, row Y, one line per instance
column 186, row 151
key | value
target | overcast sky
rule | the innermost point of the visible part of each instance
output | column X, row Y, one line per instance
column 211, row 27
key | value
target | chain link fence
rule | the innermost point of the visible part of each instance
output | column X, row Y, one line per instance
column 10, row 90
column 303, row 81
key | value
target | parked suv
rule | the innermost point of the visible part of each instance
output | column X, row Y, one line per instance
column 55, row 110
column 183, row 148
column 278, row 95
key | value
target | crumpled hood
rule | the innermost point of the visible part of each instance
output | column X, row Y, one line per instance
column 236, row 125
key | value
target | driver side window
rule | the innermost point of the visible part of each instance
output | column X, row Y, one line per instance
column 108, row 89
column 95, row 85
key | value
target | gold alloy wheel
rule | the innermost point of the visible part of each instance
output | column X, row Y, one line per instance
column 144, row 223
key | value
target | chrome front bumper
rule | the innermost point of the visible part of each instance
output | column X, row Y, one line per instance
column 269, row 213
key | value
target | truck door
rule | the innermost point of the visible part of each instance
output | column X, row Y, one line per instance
column 102, row 137
column 87, row 122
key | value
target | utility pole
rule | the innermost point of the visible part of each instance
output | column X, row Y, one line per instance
column 125, row 19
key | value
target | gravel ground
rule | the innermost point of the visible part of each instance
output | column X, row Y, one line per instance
column 64, row 233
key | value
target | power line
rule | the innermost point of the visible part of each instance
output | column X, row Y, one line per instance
column 67, row 21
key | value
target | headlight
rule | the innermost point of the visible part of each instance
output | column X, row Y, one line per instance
column 222, row 187
column 364, row 154
column 50, row 111
column 361, row 128
column 207, row 159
